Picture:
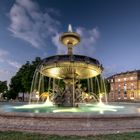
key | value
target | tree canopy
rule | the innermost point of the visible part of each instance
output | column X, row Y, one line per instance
column 3, row 86
column 21, row 82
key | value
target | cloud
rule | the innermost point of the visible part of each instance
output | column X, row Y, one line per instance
column 88, row 40
column 14, row 64
column 8, row 66
column 37, row 27
column 60, row 48
column 31, row 24
column 3, row 55
column 5, row 58
column 40, row 28
column 6, row 74
column 4, row 71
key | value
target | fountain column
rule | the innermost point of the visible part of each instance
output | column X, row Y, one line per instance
column 70, row 39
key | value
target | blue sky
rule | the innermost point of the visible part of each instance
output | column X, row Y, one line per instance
column 110, row 32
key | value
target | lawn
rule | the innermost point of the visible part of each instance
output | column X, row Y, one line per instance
column 10, row 135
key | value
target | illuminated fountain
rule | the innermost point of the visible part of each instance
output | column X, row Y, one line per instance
column 57, row 83
column 69, row 68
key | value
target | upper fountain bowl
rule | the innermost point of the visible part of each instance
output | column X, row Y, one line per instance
column 70, row 66
column 70, row 38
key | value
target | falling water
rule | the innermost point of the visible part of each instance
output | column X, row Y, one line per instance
column 38, row 87
column 101, row 88
column 49, row 84
column 53, row 86
column 58, row 82
column 73, row 87
column 105, row 92
column 42, row 85
column 99, row 91
column 88, row 83
column 91, row 84
column 48, row 102
column 78, row 81
column 70, row 28
column 33, row 85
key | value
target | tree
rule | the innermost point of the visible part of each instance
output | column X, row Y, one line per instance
column 3, row 86
column 21, row 82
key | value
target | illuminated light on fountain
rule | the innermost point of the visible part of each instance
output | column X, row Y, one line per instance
column 102, row 108
column 48, row 102
column 70, row 28
column 70, row 69
column 33, row 106
column 100, row 98
column 66, row 110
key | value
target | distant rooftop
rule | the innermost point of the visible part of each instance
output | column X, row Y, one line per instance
column 123, row 73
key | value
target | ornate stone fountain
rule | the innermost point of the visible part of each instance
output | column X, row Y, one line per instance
column 70, row 68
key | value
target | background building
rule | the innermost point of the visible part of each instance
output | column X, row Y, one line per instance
column 125, row 86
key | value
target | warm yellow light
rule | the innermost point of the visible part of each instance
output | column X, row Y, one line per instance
column 54, row 71
column 86, row 95
column 94, row 72
column 90, row 97
column 62, row 69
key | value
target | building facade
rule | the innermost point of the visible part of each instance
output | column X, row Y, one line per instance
column 125, row 86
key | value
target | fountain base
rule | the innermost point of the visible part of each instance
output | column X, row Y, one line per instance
column 69, row 124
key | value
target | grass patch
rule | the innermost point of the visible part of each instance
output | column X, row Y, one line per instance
column 11, row 135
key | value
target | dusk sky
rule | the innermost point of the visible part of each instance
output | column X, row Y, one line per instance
column 109, row 29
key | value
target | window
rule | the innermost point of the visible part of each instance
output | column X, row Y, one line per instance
column 132, row 86
column 131, row 78
column 125, row 91
column 132, row 95
column 125, row 87
column 119, row 94
column 125, row 94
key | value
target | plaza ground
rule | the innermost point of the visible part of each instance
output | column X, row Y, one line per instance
column 11, row 135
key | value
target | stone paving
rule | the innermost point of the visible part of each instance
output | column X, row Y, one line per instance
column 69, row 123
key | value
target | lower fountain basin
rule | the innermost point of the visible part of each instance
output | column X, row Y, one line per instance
column 68, row 123
column 96, row 108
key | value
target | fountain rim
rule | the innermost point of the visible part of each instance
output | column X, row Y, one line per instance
column 71, row 57
column 68, row 115
column 66, row 61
